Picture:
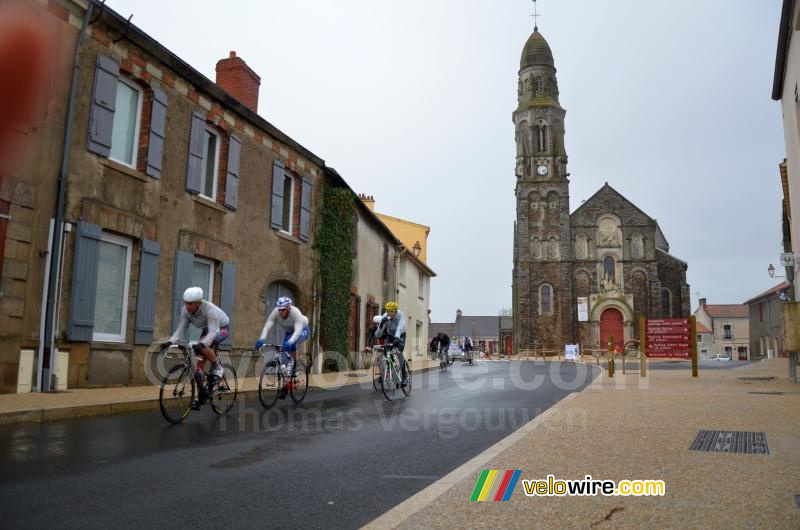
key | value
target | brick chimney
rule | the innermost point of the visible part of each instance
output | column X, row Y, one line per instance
column 369, row 200
column 702, row 302
column 239, row 80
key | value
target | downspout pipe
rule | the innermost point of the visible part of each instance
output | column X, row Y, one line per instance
column 58, row 233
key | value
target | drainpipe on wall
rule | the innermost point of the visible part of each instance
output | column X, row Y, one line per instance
column 47, row 334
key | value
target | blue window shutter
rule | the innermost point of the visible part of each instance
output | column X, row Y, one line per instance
column 226, row 299
column 276, row 219
column 180, row 282
column 84, row 282
column 305, row 210
column 195, row 152
column 232, row 176
column 146, row 293
column 158, row 131
column 104, row 102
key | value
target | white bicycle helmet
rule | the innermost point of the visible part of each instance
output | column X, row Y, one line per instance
column 193, row 294
column 283, row 301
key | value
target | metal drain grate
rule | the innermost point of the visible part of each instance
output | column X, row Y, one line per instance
column 753, row 443
column 767, row 378
column 775, row 393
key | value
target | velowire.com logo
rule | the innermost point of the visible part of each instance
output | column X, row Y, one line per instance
column 495, row 485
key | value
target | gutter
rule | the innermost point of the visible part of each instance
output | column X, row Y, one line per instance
column 47, row 334
column 783, row 49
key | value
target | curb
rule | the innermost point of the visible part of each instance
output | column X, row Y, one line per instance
column 118, row 407
column 400, row 513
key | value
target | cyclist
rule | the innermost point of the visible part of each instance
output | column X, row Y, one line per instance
column 468, row 347
column 393, row 329
column 444, row 346
column 211, row 320
column 295, row 325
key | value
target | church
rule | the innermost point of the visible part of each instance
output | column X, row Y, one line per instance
column 583, row 277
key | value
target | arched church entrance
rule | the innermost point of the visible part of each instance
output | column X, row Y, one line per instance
column 611, row 325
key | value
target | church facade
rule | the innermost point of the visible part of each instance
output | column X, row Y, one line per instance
column 583, row 277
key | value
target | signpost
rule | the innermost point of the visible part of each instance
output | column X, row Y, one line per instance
column 670, row 338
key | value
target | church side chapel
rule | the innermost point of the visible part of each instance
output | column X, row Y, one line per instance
column 608, row 257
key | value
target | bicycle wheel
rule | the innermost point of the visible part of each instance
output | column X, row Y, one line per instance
column 407, row 388
column 225, row 392
column 388, row 385
column 269, row 384
column 299, row 385
column 376, row 373
column 176, row 394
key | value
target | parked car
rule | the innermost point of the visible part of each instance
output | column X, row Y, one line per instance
column 456, row 354
column 721, row 357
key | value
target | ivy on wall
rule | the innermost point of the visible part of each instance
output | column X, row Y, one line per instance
column 335, row 243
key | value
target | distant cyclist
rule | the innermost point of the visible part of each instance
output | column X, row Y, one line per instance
column 295, row 326
column 210, row 319
column 393, row 329
column 444, row 346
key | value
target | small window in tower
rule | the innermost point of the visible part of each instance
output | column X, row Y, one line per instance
column 545, row 300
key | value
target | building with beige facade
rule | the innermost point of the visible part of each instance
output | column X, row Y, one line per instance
column 785, row 89
column 730, row 328
column 412, row 288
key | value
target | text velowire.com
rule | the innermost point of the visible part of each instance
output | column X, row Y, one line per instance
column 552, row 487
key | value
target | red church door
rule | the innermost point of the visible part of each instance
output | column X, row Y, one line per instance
column 508, row 346
column 611, row 324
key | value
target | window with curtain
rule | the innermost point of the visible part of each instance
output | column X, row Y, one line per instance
column 111, row 295
column 125, row 129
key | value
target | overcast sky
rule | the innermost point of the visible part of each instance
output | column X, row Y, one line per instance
column 668, row 102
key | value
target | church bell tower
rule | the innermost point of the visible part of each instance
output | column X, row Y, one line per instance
column 542, row 279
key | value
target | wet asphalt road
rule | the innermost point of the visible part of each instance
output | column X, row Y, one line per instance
column 339, row 460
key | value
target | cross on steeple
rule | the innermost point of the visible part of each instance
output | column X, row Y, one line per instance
column 535, row 16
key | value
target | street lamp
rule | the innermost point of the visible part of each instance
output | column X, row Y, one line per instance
column 416, row 249
column 771, row 271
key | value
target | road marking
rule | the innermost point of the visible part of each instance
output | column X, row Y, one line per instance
column 400, row 513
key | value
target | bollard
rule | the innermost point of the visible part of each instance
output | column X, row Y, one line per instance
column 611, row 366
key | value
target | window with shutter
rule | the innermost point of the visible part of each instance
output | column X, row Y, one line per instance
column 181, row 280
column 305, row 210
column 195, row 168
column 158, row 131
column 104, row 97
column 276, row 211
column 84, row 282
column 232, row 175
column 227, row 300
column 146, row 292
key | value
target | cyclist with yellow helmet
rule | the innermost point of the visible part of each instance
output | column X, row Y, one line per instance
column 393, row 330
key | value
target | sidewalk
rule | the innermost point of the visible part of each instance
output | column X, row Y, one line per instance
column 615, row 430
column 37, row 406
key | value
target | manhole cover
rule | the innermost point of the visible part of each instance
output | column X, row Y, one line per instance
column 754, row 443
column 769, row 378
column 767, row 393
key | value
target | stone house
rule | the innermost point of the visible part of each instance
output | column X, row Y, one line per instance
column 765, row 322
column 730, row 325
column 172, row 180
